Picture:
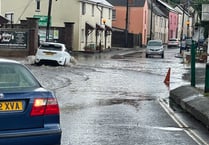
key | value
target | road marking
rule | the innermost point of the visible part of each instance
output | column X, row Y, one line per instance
column 182, row 124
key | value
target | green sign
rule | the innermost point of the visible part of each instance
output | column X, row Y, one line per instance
column 42, row 20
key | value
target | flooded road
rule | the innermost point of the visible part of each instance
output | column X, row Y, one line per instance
column 107, row 100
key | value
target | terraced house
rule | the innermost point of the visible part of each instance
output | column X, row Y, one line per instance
column 133, row 18
column 91, row 20
column 158, row 22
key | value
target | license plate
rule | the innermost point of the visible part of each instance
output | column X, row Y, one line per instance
column 49, row 53
column 11, row 106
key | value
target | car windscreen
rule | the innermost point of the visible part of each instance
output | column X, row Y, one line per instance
column 189, row 41
column 16, row 76
column 51, row 47
column 154, row 43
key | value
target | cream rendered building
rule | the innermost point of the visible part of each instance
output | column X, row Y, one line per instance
column 88, row 16
column 161, row 28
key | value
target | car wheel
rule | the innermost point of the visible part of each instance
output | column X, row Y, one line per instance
column 64, row 64
column 147, row 55
column 162, row 55
column 38, row 63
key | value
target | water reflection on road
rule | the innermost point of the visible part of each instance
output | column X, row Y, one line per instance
column 138, row 63
column 114, row 101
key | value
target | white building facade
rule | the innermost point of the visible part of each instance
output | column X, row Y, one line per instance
column 92, row 18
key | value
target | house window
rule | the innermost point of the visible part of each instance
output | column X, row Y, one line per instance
column 82, row 35
column 83, row 8
column 38, row 6
column 102, row 12
column 109, row 14
column 113, row 14
column 161, row 22
column 9, row 17
column 92, row 11
column 157, row 22
column 91, row 37
column 175, row 19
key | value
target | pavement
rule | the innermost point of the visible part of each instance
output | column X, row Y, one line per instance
column 193, row 101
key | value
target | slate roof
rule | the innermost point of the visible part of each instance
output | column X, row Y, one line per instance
column 136, row 3
column 3, row 20
column 183, row 9
column 158, row 12
column 170, row 8
column 156, row 9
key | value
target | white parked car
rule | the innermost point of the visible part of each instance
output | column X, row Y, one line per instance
column 173, row 42
column 155, row 47
column 50, row 51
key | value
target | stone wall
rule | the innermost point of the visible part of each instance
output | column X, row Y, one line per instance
column 31, row 28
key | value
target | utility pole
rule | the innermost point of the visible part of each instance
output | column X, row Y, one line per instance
column 182, row 24
column 126, row 29
column 151, row 20
column 48, row 21
column 188, row 22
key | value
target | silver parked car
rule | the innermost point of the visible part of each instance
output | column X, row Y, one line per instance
column 155, row 47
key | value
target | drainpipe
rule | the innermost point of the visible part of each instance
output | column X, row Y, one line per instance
column 126, row 29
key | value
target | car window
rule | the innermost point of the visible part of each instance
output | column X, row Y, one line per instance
column 189, row 41
column 51, row 47
column 154, row 43
column 16, row 76
column 173, row 40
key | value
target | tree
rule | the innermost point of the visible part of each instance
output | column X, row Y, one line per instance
column 197, row 5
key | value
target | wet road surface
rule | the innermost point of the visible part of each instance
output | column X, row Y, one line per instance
column 106, row 101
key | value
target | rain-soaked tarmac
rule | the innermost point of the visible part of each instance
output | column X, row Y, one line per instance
column 107, row 99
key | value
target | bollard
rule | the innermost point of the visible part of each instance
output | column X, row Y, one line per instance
column 207, row 78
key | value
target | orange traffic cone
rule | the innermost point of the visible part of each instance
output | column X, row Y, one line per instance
column 167, row 78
